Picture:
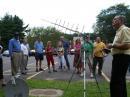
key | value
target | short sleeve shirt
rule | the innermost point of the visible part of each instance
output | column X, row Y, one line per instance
column 39, row 47
column 88, row 47
column 98, row 49
column 122, row 36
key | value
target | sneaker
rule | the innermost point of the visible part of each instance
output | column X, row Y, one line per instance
column 17, row 75
column 13, row 80
column 41, row 69
column 49, row 71
column 24, row 73
column 68, row 68
column 36, row 70
column 100, row 73
column 78, row 72
column 64, row 67
column 54, row 70
column 82, row 74
column 3, row 84
column 91, row 75
column 60, row 67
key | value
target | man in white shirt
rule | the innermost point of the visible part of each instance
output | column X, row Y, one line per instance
column 25, row 56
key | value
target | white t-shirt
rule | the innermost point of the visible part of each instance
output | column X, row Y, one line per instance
column 24, row 49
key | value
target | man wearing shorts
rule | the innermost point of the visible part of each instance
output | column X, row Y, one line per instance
column 38, row 53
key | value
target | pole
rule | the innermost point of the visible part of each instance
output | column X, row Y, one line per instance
column 84, row 76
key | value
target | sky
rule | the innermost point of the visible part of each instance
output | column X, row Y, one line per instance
column 74, row 14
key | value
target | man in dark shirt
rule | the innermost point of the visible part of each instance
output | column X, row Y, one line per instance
column 66, row 48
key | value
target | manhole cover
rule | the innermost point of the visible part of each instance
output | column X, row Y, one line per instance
column 46, row 92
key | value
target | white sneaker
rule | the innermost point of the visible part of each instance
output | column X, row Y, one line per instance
column 91, row 75
column 17, row 75
column 82, row 74
column 13, row 80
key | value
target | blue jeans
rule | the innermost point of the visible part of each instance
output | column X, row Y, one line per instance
column 67, row 61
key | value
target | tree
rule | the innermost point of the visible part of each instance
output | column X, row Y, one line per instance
column 46, row 34
column 8, row 25
column 104, row 20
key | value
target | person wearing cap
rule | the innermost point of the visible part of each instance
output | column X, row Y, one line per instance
column 88, row 47
column 15, row 54
column 120, row 49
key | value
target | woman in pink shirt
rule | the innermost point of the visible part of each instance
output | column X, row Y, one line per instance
column 77, row 56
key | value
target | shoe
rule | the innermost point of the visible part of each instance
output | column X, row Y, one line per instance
column 36, row 70
column 60, row 67
column 64, row 67
column 54, row 70
column 17, row 76
column 13, row 80
column 91, row 75
column 3, row 85
column 100, row 73
column 24, row 73
column 49, row 71
column 41, row 69
column 69, row 68
column 82, row 74
column 78, row 72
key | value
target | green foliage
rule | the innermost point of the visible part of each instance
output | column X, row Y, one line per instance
column 46, row 34
column 8, row 25
column 104, row 20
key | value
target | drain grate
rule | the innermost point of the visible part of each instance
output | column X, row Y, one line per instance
column 46, row 92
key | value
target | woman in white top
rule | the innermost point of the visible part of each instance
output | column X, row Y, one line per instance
column 60, row 51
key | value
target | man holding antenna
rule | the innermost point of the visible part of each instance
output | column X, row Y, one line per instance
column 121, row 57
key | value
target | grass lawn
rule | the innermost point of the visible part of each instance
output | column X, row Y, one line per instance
column 75, row 89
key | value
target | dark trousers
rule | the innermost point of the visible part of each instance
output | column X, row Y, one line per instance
column 67, row 61
column 1, row 68
column 118, row 82
column 129, row 68
column 99, row 61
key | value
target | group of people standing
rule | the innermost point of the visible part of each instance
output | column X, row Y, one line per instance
column 94, row 53
column 19, row 53
column 62, row 52
column 120, row 50
column 91, row 53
